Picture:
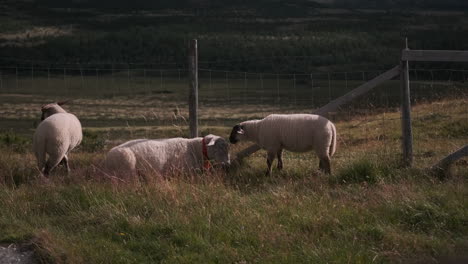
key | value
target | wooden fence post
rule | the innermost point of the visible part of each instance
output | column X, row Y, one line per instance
column 407, row 134
column 193, row 92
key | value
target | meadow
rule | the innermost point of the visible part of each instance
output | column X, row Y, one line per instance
column 370, row 209
column 126, row 71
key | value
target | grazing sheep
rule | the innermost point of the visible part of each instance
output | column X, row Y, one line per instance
column 163, row 156
column 296, row 132
column 57, row 134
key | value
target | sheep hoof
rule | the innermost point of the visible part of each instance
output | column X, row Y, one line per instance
column 43, row 180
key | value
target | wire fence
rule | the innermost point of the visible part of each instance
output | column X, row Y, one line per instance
column 226, row 97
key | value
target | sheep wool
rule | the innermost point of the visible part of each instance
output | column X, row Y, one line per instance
column 55, row 137
column 295, row 132
column 163, row 156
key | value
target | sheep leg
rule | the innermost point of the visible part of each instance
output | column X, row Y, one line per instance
column 325, row 165
column 279, row 154
column 64, row 162
column 52, row 163
column 270, row 159
column 46, row 170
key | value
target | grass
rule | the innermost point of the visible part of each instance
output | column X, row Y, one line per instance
column 286, row 220
column 369, row 210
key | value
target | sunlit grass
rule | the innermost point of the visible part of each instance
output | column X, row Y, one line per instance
column 369, row 210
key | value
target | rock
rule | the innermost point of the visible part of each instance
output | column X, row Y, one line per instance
column 12, row 254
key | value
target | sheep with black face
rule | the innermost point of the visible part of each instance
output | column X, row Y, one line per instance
column 295, row 132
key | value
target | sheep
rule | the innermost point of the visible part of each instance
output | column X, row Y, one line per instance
column 58, row 133
column 162, row 156
column 294, row 132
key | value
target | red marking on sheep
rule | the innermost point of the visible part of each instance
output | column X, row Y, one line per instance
column 206, row 160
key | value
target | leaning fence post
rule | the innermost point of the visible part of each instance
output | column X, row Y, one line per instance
column 193, row 88
column 407, row 144
column 441, row 168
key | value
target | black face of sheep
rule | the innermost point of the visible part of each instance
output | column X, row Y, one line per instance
column 236, row 131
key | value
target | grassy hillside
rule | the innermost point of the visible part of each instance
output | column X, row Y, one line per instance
column 369, row 210
column 295, row 38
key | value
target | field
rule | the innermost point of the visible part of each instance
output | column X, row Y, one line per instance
column 369, row 210
column 125, row 70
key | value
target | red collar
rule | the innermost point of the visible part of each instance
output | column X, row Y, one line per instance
column 206, row 160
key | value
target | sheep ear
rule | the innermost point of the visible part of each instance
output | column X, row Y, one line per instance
column 64, row 102
column 240, row 131
column 211, row 143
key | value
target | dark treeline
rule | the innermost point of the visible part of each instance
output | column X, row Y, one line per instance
column 290, row 5
column 173, row 4
column 229, row 39
column 397, row 4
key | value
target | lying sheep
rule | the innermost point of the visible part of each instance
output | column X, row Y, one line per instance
column 296, row 132
column 57, row 134
column 167, row 155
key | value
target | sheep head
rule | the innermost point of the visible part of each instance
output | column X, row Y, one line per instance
column 52, row 108
column 218, row 150
column 236, row 132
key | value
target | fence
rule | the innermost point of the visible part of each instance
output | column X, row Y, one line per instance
column 159, row 97
column 235, row 87
column 295, row 91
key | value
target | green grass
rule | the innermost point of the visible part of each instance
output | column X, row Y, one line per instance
column 369, row 210
column 285, row 220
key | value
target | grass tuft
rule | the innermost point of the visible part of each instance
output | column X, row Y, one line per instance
column 363, row 170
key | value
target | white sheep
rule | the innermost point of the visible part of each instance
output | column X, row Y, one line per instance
column 295, row 132
column 57, row 134
column 162, row 156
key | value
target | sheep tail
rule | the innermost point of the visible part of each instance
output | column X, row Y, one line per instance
column 333, row 141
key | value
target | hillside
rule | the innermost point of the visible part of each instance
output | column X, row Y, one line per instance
column 275, row 37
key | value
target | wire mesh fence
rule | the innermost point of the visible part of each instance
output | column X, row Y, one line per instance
column 116, row 94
